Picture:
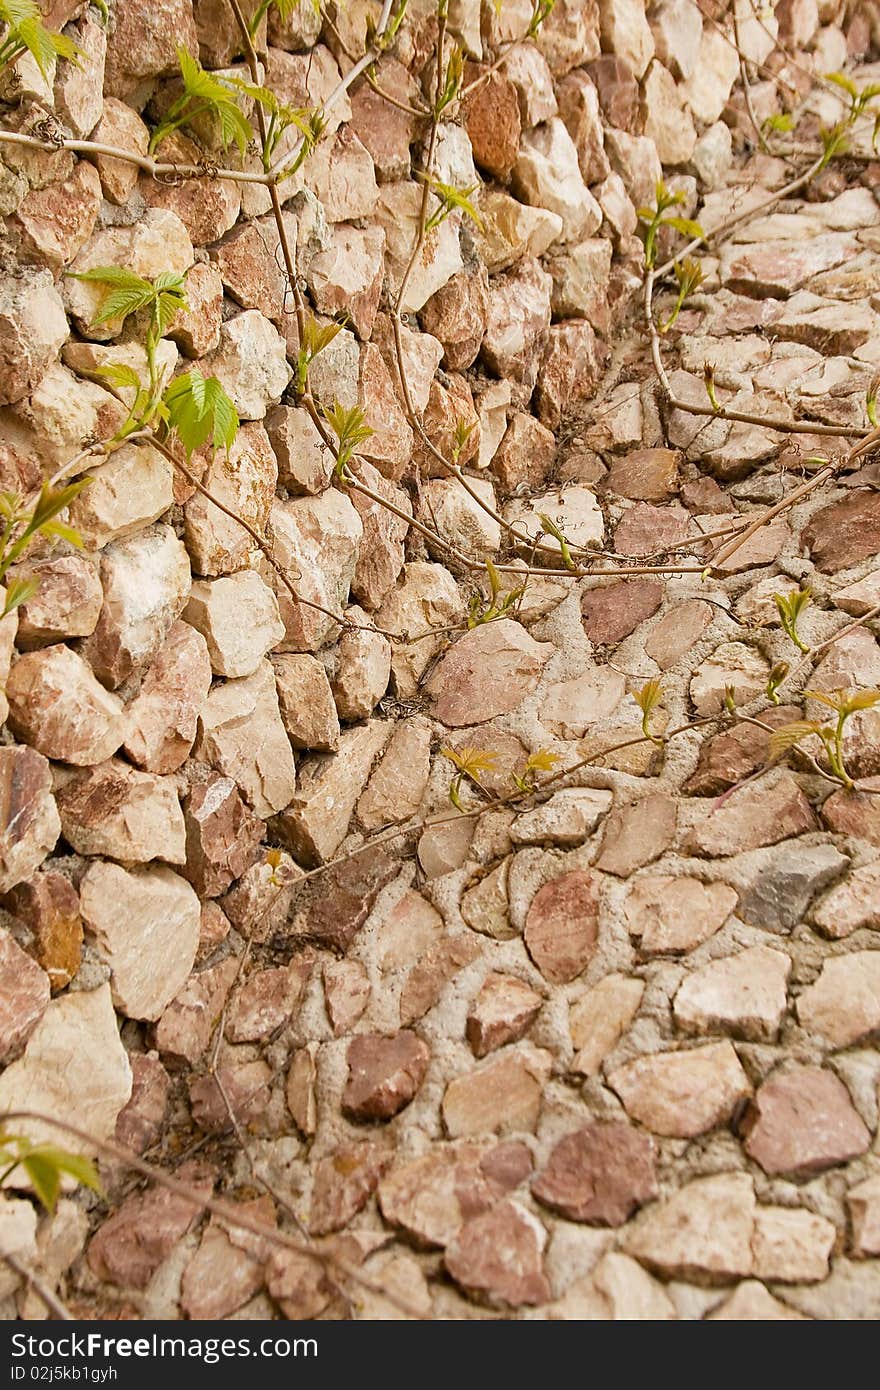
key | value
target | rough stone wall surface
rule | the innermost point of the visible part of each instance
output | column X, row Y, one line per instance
column 606, row 1053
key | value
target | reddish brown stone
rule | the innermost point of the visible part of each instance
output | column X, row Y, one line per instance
column 502, row 1012
column 844, row 533
column 562, row 926
column 222, row 836
column 301, row 1286
column 645, row 475
column 49, row 905
column 187, row 1025
column 29, row 824
column 24, row 994
column 648, row 530
column 736, row 753
column 163, row 717
column 437, row 966
column 384, row 1074
column 803, row 1121
column 855, row 813
column 609, row 614
column 243, row 1099
column 344, row 1182
column 139, row 1124
column 431, row 1196
column 571, row 366
column 618, row 92
column 499, row 1255
column 131, row 1244
column 600, row 1174
column 754, row 815
column 266, row 1001
column 492, row 119
column 526, row 453
column 457, row 315
column 335, row 907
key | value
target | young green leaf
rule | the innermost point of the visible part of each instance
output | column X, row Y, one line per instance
column 200, row 412
column 26, row 33
column 18, row 591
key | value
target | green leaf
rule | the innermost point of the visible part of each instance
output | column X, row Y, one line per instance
column 841, row 80
column 27, row 32
column 199, row 411
column 18, row 591
column 118, row 375
column 685, row 225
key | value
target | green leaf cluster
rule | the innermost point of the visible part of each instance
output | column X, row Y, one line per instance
column 45, row 1165
column 26, row 33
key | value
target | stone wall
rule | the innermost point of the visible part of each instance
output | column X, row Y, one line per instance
column 197, row 714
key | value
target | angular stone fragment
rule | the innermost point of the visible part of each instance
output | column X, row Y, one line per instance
column 187, row 1024
column 241, row 735
column 206, row 207
column 239, row 619
column 363, row 667
column 803, row 1121
column 317, row 817
column 397, row 786
column 120, row 127
column 440, row 258
column 242, row 479
column 492, row 119
column 439, row 964
column 162, row 719
column 613, row 612
column 244, row 1098
column 851, row 904
column 54, row 223
column 637, row 833
column 863, row 1201
column 145, row 580
column 346, row 993
column 426, row 597
column 128, row 492
column 600, row 1017
column 487, row 672
column 348, row 276
column 501, row 1095
column 250, row 363
column 345, row 1180
column 499, row 1255
column 519, row 316
column 384, row 1074
column 753, row 816
column 131, row 1244
column 670, row 915
column 731, row 667
column 318, row 538
column 74, row 1065
column 431, row 1196
column 341, row 899
column 702, row 1231
column 48, row 904
column 116, row 811
column 266, row 1001
column 29, row 823
column 502, row 1012
column 547, row 174
column 67, row 602
column 146, row 926
column 843, row 1006
column 676, row 633
column 304, row 461
column 566, row 819
column 390, row 444
column 140, row 1122
column 855, row 813
column 729, row 757
column 750, row 1302
column 562, row 926
column 222, row 836
column 792, row 1245
column 58, row 707
column 779, row 896
column 196, row 329
column 306, row 702
column 600, row 1174
column 463, row 520
column 32, row 328
column 742, row 994
column 24, row 995
column 525, row 454
column 220, row 1278
column 683, row 1093
column 845, row 532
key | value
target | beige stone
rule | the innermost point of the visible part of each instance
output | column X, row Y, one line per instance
column 57, row 706
column 128, row 492
column 242, row 736
column 600, row 1017
column 502, row 1095
column 114, row 810
column 316, row 819
column 683, row 1093
column 239, row 619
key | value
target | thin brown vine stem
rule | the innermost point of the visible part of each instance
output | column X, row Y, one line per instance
column 371, row 80
column 155, row 168
column 226, row 1212
column 730, row 223
column 54, row 1304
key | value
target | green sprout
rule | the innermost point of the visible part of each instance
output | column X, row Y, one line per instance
column 790, row 607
